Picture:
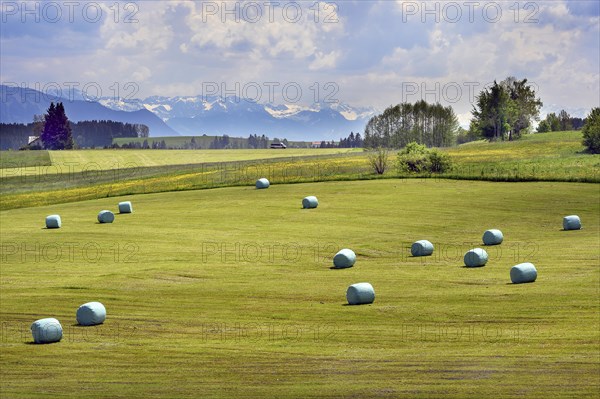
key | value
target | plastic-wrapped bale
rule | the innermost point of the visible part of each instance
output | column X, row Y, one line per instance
column 344, row 259
column 421, row 248
column 106, row 217
column 262, row 183
column 360, row 294
column 571, row 222
column 492, row 237
column 310, row 202
column 46, row 331
column 125, row 207
column 523, row 273
column 476, row 257
column 91, row 313
column 53, row 222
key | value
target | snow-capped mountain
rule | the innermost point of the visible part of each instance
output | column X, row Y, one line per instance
column 215, row 115
column 19, row 105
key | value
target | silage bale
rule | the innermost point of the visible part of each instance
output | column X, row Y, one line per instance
column 493, row 237
column 571, row 222
column 523, row 273
column 47, row 330
column 476, row 257
column 262, row 183
column 360, row 294
column 53, row 222
column 91, row 313
column 310, row 202
column 125, row 207
column 421, row 248
column 106, row 217
column 344, row 259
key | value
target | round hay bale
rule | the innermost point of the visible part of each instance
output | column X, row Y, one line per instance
column 91, row 313
column 421, row 248
column 571, row 222
column 262, row 183
column 523, row 273
column 360, row 294
column 493, row 237
column 344, row 259
column 310, row 202
column 106, row 217
column 45, row 331
column 125, row 207
column 476, row 257
column 53, row 222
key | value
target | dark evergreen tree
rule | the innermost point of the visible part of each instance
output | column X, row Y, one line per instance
column 57, row 134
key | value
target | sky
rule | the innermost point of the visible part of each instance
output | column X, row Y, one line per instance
column 362, row 53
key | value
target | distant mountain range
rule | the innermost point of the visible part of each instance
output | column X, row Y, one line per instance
column 240, row 117
column 170, row 116
column 18, row 105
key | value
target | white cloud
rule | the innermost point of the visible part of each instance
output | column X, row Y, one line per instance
column 324, row 61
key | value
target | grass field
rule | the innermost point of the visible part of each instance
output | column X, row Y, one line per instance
column 201, row 141
column 229, row 293
column 81, row 175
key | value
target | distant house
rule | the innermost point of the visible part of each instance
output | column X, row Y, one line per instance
column 278, row 145
column 31, row 139
column 315, row 144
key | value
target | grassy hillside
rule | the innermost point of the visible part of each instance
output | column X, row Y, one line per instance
column 80, row 175
column 548, row 156
column 229, row 293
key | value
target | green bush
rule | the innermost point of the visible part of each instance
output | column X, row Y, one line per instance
column 417, row 158
column 439, row 162
column 591, row 132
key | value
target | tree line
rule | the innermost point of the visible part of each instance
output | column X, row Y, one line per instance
column 430, row 124
column 560, row 123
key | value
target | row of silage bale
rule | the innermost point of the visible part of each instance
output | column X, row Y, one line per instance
column 478, row 257
column 49, row 330
column 356, row 294
column 104, row 216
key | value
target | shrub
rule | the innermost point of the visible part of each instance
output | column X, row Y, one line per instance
column 378, row 160
column 417, row 158
column 591, row 131
column 439, row 162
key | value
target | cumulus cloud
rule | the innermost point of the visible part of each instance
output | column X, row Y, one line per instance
column 375, row 52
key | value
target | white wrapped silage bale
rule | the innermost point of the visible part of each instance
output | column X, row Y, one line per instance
column 476, row 257
column 91, row 313
column 421, row 248
column 125, row 207
column 360, row 294
column 262, row 183
column 492, row 237
column 106, row 217
column 310, row 202
column 571, row 222
column 46, row 331
column 53, row 222
column 344, row 259
column 523, row 273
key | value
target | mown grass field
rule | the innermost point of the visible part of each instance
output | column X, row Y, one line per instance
column 229, row 293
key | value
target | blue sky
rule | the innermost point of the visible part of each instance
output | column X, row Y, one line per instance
column 367, row 53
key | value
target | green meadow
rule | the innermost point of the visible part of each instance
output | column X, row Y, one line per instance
column 229, row 293
column 215, row 289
